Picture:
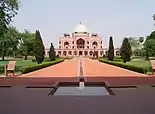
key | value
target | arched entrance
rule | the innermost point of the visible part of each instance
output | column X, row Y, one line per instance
column 64, row 53
column 95, row 54
column 101, row 53
column 59, row 53
column 70, row 52
column 91, row 53
column 66, row 45
column 80, row 53
column 75, row 52
column 94, row 44
column 80, row 43
column 86, row 53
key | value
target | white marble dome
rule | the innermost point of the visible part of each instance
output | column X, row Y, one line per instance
column 81, row 28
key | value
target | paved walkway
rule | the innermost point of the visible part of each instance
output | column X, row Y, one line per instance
column 68, row 68
column 94, row 68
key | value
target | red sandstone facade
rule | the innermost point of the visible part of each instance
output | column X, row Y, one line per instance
column 81, row 43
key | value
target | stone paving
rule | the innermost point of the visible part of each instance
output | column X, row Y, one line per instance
column 68, row 68
column 94, row 68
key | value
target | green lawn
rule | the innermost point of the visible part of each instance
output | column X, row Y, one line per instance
column 140, row 63
column 19, row 65
column 22, row 63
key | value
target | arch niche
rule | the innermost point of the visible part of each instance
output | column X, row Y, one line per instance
column 66, row 45
column 80, row 43
column 94, row 44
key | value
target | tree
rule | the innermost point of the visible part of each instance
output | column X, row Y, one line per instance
column 149, row 47
column 52, row 53
column 151, row 36
column 126, row 50
column 8, row 9
column 27, row 43
column 141, row 39
column 153, row 17
column 10, row 42
column 39, row 49
column 111, row 49
column 135, row 44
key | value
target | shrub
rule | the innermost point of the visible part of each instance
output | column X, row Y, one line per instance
column 67, row 57
column 93, row 58
column 1, row 69
column 111, row 50
column 118, row 60
column 125, row 66
column 46, row 59
column 52, row 53
column 17, row 69
column 125, row 50
column 40, row 66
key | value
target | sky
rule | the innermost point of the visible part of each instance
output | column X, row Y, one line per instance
column 116, row 18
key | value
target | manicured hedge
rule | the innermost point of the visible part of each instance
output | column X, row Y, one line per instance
column 125, row 66
column 93, row 58
column 40, row 66
column 1, row 69
column 67, row 58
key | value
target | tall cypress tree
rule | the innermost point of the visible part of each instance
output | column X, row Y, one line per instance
column 111, row 49
column 126, row 50
column 52, row 53
column 39, row 49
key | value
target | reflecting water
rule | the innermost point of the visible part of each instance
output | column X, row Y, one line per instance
column 77, row 91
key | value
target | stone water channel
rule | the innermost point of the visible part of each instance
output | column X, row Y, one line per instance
column 81, row 89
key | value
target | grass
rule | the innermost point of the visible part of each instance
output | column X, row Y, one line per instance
column 138, row 62
column 141, row 63
column 19, row 65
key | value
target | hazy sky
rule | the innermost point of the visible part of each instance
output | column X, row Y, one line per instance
column 117, row 18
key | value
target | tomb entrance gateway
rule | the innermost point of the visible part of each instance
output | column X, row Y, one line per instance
column 81, row 39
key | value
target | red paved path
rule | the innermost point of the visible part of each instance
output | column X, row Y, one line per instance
column 68, row 68
column 68, row 71
column 94, row 68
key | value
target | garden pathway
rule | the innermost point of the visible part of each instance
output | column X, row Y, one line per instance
column 68, row 68
column 94, row 68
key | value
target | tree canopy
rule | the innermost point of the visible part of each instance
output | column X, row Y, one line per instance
column 52, row 53
column 27, row 44
column 149, row 45
column 9, row 42
column 8, row 10
column 111, row 49
column 126, row 50
column 15, row 43
column 39, row 50
column 135, row 44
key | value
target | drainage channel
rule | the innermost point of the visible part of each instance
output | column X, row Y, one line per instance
column 80, row 88
column 81, row 77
